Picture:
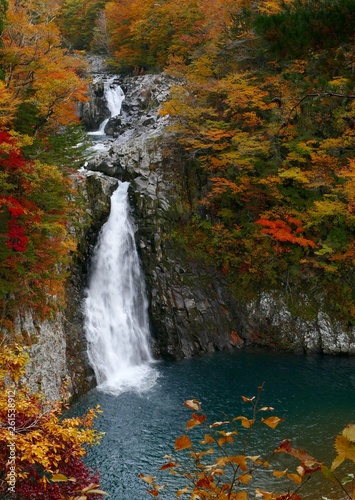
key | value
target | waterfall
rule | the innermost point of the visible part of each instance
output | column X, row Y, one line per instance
column 113, row 95
column 116, row 307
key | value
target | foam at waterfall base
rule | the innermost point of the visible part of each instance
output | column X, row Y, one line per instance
column 140, row 378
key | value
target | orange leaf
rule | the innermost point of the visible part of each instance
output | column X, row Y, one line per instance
column 154, row 493
column 279, row 473
column 300, row 454
column 248, row 400
column 182, row 443
column 182, row 492
column 266, row 495
column 227, row 439
column 295, row 477
column 196, row 420
column 207, row 440
column 169, row 465
column 148, row 479
column 205, row 482
column 246, row 422
column 245, row 478
column 242, row 495
column 272, row 421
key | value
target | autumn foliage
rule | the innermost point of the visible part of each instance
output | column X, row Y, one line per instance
column 38, row 71
column 34, row 239
column 47, row 448
column 217, row 462
column 262, row 136
column 40, row 87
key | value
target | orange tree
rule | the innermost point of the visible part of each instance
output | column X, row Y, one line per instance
column 38, row 70
column 268, row 135
column 41, row 452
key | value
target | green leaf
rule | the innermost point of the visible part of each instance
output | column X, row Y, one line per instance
column 348, row 479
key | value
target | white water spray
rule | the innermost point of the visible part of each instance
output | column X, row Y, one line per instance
column 116, row 307
column 114, row 97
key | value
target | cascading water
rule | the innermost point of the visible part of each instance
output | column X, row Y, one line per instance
column 116, row 307
column 113, row 95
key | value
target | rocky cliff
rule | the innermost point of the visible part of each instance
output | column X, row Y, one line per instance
column 189, row 311
column 191, row 308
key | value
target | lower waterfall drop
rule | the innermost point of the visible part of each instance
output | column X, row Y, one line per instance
column 116, row 307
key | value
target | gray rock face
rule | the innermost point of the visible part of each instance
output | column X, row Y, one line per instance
column 268, row 322
column 47, row 368
column 189, row 311
column 95, row 110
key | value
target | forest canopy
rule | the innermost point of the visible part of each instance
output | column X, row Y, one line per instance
column 263, row 115
column 264, row 119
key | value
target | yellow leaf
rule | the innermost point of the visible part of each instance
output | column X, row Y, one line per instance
column 245, row 421
column 349, row 432
column 97, row 492
column 272, row 421
column 253, row 458
column 182, row 492
column 217, row 424
column 279, row 473
column 344, row 446
column 301, row 470
column 337, row 461
column 57, row 478
column 266, row 495
column 241, row 495
column 90, row 487
column 245, row 478
column 295, row 477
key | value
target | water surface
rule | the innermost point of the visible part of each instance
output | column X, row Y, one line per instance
column 315, row 395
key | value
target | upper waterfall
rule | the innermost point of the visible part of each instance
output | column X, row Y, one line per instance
column 114, row 96
column 116, row 307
